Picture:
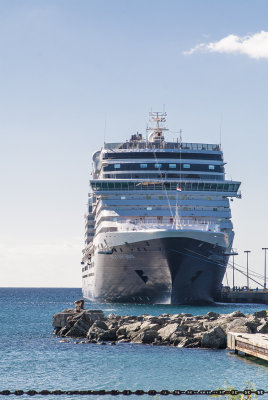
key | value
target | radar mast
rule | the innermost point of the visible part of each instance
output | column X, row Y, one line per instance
column 158, row 120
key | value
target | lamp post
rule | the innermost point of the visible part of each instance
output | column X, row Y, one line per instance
column 232, row 253
column 264, row 248
column 247, row 251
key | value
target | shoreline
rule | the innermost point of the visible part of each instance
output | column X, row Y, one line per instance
column 207, row 331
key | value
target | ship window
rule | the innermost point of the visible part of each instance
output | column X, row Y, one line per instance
column 158, row 165
column 211, row 167
column 186, row 166
column 123, row 197
column 143, row 165
column 149, row 208
column 172, row 165
column 117, row 166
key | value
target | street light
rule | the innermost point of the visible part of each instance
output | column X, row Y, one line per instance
column 264, row 248
column 247, row 251
column 232, row 253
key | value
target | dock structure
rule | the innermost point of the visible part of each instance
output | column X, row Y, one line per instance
column 254, row 344
column 244, row 296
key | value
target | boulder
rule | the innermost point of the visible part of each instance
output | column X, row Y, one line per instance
column 214, row 339
column 236, row 314
column 176, row 338
column 239, row 325
column 149, row 325
column 253, row 324
column 62, row 319
column 114, row 317
column 112, row 324
column 168, row 330
column 261, row 314
column 108, row 335
column 128, row 328
column 100, row 324
column 96, row 330
column 121, row 331
column 212, row 315
column 189, row 342
column 79, row 329
column 59, row 320
column 263, row 328
column 148, row 336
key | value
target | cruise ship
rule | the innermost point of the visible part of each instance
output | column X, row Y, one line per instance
column 158, row 226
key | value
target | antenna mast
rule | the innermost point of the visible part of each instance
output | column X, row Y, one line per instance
column 158, row 119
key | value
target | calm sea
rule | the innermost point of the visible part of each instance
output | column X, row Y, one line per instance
column 32, row 358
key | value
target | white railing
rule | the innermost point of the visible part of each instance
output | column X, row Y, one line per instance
column 181, row 224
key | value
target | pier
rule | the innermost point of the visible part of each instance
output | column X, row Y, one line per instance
column 255, row 344
column 243, row 296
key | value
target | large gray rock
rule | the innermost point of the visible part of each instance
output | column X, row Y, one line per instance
column 79, row 329
column 60, row 320
column 134, row 327
column 214, row 339
column 127, row 329
column 150, row 325
column 189, row 342
column 263, row 328
column 148, row 336
column 168, row 330
column 100, row 324
column 96, row 330
column 234, row 315
column 94, row 333
column 212, row 315
column 261, row 314
column 253, row 324
column 239, row 325
column 108, row 335
column 121, row 331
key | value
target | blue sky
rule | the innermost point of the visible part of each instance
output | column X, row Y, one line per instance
column 66, row 67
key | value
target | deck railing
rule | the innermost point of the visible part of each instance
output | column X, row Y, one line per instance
column 172, row 225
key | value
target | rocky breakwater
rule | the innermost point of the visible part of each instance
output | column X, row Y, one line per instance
column 180, row 330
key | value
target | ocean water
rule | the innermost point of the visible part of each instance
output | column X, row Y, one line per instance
column 31, row 357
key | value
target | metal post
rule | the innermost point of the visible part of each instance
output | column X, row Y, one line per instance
column 264, row 248
column 233, row 254
column 233, row 271
column 247, row 251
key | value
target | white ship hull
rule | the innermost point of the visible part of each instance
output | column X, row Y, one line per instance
column 181, row 267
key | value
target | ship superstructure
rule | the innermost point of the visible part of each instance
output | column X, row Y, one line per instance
column 158, row 226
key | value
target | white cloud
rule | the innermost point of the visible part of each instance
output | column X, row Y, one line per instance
column 254, row 45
